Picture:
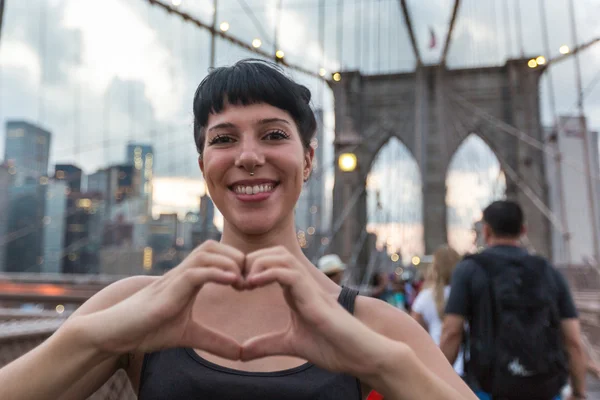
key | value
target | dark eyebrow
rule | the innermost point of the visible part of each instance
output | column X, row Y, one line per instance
column 271, row 120
column 223, row 125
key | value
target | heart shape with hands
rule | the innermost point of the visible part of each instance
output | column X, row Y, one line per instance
column 160, row 316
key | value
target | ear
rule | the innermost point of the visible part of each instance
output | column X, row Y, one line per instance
column 523, row 230
column 309, row 156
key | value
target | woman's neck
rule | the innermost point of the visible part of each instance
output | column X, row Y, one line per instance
column 283, row 235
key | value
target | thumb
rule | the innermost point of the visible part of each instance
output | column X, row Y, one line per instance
column 201, row 337
column 270, row 344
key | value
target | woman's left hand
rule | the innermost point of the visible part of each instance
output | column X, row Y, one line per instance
column 320, row 329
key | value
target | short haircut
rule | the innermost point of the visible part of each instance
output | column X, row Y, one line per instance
column 505, row 218
column 252, row 81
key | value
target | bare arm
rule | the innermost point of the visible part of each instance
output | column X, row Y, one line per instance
column 419, row 318
column 577, row 358
column 83, row 371
column 452, row 335
column 431, row 375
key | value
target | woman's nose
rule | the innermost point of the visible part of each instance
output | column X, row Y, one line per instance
column 250, row 156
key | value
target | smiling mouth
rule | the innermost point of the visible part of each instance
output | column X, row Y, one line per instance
column 254, row 189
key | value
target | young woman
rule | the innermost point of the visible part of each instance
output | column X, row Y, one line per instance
column 428, row 307
column 249, row 317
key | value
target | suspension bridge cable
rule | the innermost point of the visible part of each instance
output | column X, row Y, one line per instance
column 519, row 27
column 558, row 134
column 250, row 14
column 508, row 39
column 585, row 141
column 235, row 41
column 526, row 189
column 358, row 35
column 340, row 33
column 277, row 22
column 519, row 134
column 337, row 224
column 42, row 49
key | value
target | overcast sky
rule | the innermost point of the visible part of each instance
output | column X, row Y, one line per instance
column 98, row 73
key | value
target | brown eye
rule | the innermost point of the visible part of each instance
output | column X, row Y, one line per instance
column 220, row 139
column 276, row 135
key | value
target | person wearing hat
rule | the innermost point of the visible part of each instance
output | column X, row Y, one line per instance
column 332, row 266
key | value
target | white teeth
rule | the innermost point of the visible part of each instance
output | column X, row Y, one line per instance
column 253, row 189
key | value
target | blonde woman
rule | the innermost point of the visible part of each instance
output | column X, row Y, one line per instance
column 428, row 307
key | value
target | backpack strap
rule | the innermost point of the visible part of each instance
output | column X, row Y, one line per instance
column 347, row 298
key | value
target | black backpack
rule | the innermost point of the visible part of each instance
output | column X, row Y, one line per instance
column 517, row 353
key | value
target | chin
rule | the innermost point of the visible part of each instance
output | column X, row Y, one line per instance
column 255, row 224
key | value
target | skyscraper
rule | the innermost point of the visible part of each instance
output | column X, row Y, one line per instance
column 54, row 226
column 71, row 174
column 141, row 156
column 5, row 182
column 116, row 184
column 27, row 150
column 24, row 248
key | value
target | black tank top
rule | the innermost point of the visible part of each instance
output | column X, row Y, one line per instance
column 181, row 373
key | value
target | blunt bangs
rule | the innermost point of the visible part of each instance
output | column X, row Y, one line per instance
column 249, row 82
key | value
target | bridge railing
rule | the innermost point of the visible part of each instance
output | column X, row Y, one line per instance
column 20, row 335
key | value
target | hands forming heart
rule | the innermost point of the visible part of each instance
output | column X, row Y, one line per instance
column 160, row 315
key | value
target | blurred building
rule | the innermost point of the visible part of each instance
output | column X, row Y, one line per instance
column 25, row 228
column 116, row 184
column 27, row 149
column 121, row 260
column 83, row 233
column 186, row 227
column 162, row 239
column 69, row 173
column 141, row 156
column 54, row 226
column 204, row 229
column 569, row 138
column 5, row 183
column 310, row 205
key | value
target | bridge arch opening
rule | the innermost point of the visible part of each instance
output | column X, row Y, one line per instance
column 395, row 201
column 473, row 180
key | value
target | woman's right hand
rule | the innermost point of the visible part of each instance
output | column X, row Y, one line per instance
column 160, row 315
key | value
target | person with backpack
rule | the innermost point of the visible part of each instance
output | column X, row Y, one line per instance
column 524, row 336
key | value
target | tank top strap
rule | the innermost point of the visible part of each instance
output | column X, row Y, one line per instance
column 347, row 298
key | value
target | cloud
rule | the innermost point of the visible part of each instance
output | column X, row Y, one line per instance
column 127, row 50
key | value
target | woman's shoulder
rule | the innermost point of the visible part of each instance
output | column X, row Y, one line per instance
column 386, row 319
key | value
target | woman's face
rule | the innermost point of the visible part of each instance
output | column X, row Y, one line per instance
column 262, row 139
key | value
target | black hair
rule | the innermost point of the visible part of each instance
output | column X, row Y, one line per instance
column 505, row 218
column 252, row 81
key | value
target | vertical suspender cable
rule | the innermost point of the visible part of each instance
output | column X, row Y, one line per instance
column 586, row 148
column 558, row 133
column 213, row 39
column 519, row 27
column 508, row 42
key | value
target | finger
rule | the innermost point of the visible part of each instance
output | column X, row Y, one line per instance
column 264, row 262
column 207, row 260
column 271, row 251
column 201, row 337
column 294, row 281
column 270, row 344
column 191, row 280
column 226, row 250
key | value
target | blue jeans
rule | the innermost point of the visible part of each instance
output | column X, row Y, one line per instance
column 484, row 396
